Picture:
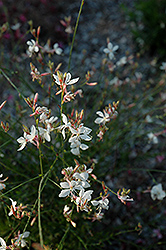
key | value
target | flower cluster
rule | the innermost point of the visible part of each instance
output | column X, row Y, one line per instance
column 67, row 214
column 75, row 183
column 37, row 134
column 33, row 46
column 47, row 48
column 41, row 133
column 63, row 81
column 35, row 73
column 104, row 117
column 17, row 211
column 75, row 179
column 17, row 242
column 78, row 133
column 67, row 24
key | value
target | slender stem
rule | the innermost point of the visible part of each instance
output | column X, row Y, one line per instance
column 107, row 187
column 81, row 240
column 60, row 246
column 40, row 151
column 11, row 83
column 4, row 194
column 62, row 143
column 40, row 159
column 61, row 105
column 55, row 183
column 39, row 213
column 75, row 30
column 39, row 200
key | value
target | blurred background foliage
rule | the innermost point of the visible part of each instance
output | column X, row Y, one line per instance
column 148, row 25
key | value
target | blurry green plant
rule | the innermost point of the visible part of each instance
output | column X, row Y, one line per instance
column 148, row 25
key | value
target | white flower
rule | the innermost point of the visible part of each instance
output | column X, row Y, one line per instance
column 44, row 133
column 115, row 81
column 13, row 207
column 49, row 122
column 163, row 66
column 68, row 171
column 157, row 192
column 122, row 61
column 138, row 75
column 66, row 209
column 21, row 240
column 124, row 198
column 82, row 179
column 103, row 203
column 76, row 145
column 80, row 133
column 16, row 26
column 68, row 96
column 69, row 188
column 32, row 47
column 57, row 50
column 152, row 138
column 104, row 117
column 40, row 110
column 3, row 244
column 97, row 216
column 66, row 125
column 112, row 112
column 23, row 141
column 43, row 117
column 32, row 134
column 27, row 138
column 83, row 199
column 110, row 50
column 77, row 134
column 148, row 119
column 66, row 79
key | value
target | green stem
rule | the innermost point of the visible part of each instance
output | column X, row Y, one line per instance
column 75, row 30
column 41, row 191
column 62, row 143
column 39, row 200
column 81, row 240
column 107, row 187
column 39, row 213
column 4, row 194
column 11, row 83
column 40, row 159
column 60, row 246
column 40, row 151
column 55, row 183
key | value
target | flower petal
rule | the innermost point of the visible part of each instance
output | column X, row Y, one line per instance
column 64, row 193
column 84, row 147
